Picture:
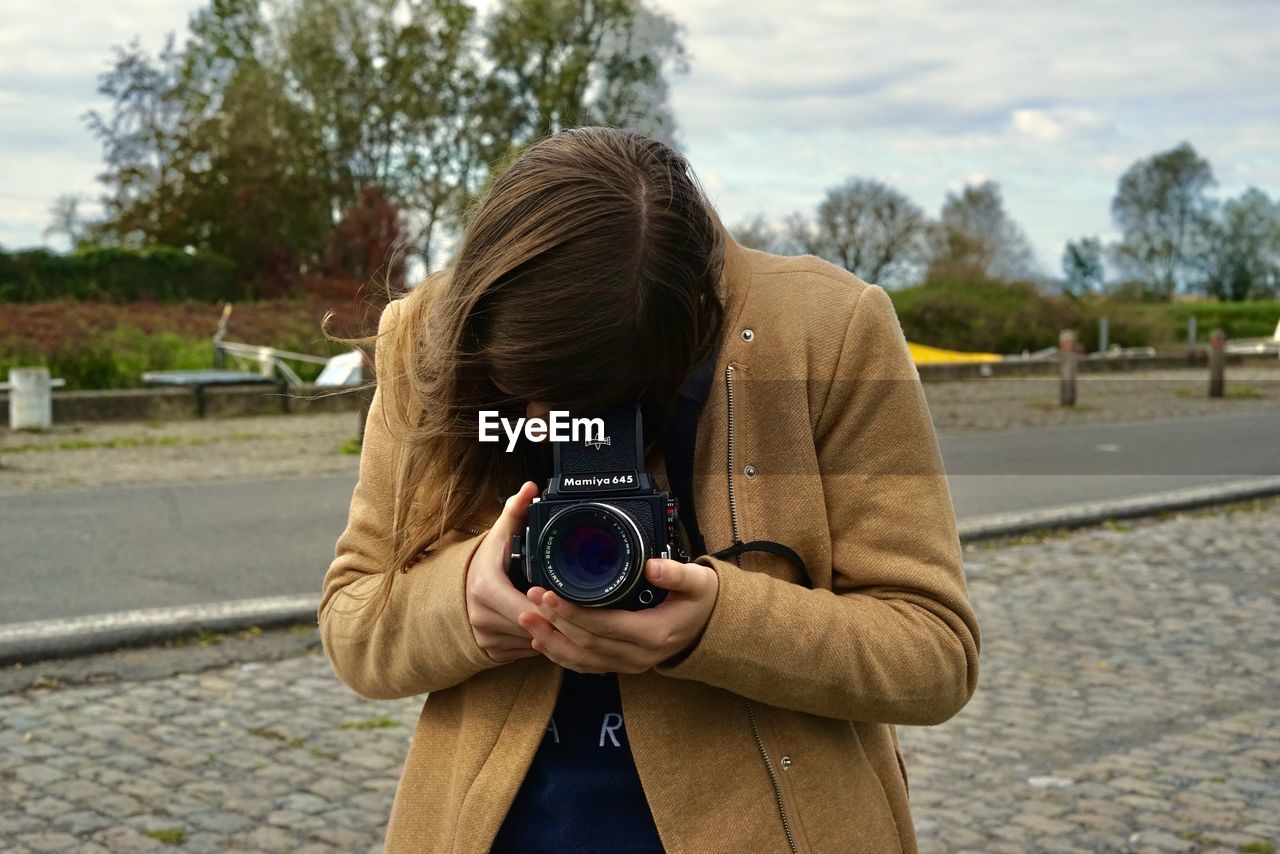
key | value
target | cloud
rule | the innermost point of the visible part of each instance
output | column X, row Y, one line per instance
column 1055, row 123
column 1053, row 100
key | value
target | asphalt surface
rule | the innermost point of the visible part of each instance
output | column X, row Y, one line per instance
column 75, row 553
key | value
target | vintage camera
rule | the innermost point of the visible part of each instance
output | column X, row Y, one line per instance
column 588, row 536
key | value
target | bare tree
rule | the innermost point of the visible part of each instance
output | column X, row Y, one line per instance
column 758, row 233
column 872, row 230
column 65, row 220
column 976, row 238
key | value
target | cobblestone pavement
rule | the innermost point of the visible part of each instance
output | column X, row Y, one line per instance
column 267, row 446
column 1128, row 701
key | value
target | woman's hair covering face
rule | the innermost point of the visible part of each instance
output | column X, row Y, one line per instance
column 587, row 276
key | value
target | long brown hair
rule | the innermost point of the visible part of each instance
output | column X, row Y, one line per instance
column 586, row 276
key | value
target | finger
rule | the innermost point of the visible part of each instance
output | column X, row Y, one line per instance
column 496, row 593
column 600, row 654
column 692, row 578
column 631, row 626
column 609, row 648
column 491, row 622
column 561, row 649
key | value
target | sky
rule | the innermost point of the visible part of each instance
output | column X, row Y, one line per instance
column 784, row 100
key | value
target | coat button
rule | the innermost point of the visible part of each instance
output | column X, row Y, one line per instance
column 786, row 763
column 749, row 471
column 748, row 335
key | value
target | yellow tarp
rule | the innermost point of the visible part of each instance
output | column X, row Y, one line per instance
column 926, row 355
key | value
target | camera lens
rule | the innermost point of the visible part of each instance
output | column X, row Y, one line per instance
column 591, row 553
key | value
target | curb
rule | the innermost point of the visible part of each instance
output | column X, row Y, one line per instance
column 65, row 638
column 1000, row 525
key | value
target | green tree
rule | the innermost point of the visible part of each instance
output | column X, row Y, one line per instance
column 1241, row 258
column 272, row 121
column 561, row 63
column 391, row 90
column 1163, row 211
column 203, row 148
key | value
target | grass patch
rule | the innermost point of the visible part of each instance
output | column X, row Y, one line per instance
column 205, row 637
column 136, row 442
column 381, row 722
column 323, row 754
column 264, row 732
column 1049, row 406
column 1235, row 392
column 1260, row 847
column 351, row 446
column 167, row 835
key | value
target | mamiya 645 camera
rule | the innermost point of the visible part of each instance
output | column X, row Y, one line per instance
column 600, row 519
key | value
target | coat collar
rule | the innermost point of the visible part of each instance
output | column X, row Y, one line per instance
column 735, row 277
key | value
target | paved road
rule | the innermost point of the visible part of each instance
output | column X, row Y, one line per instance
column 76, row 553
column 1126, row 702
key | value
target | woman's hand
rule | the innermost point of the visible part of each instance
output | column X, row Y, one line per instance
column 494, row 605
column 603, row 640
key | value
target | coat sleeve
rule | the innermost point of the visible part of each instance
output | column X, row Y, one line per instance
column 894, row 639
column 418, row 638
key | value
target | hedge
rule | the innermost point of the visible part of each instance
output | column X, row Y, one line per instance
column 121, row 275
column 998, row 317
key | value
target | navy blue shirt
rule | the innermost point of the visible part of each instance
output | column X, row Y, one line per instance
column 582, row 792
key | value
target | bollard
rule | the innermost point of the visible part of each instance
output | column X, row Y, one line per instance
column 1191, row 331
column 31, row 398
column 1217, row 362
column 1067, row 352
column 1104, row 327
column 266, row 362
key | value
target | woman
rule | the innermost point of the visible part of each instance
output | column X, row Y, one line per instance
column 756, row 707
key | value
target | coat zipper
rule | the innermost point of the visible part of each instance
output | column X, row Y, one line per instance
column 773, row 778
column 733, row 504
column 751, row 711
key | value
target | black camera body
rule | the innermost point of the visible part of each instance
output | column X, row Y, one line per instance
column 588, row 536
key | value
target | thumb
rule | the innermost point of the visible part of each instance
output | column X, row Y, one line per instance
column 675, row 576
column 516, row 508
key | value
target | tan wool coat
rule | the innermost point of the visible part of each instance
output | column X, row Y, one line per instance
column 777, row 731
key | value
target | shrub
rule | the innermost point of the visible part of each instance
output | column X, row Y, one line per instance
column 983, row 315
column 117, row 274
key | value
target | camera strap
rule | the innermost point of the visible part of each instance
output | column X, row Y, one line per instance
column 678, row 448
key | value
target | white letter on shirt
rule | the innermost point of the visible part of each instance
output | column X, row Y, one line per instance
column 608, row 729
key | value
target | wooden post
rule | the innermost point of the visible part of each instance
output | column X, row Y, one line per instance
column 1104, row 326
column 1191, row 331
column 1067, row 353
column 1217, row 362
